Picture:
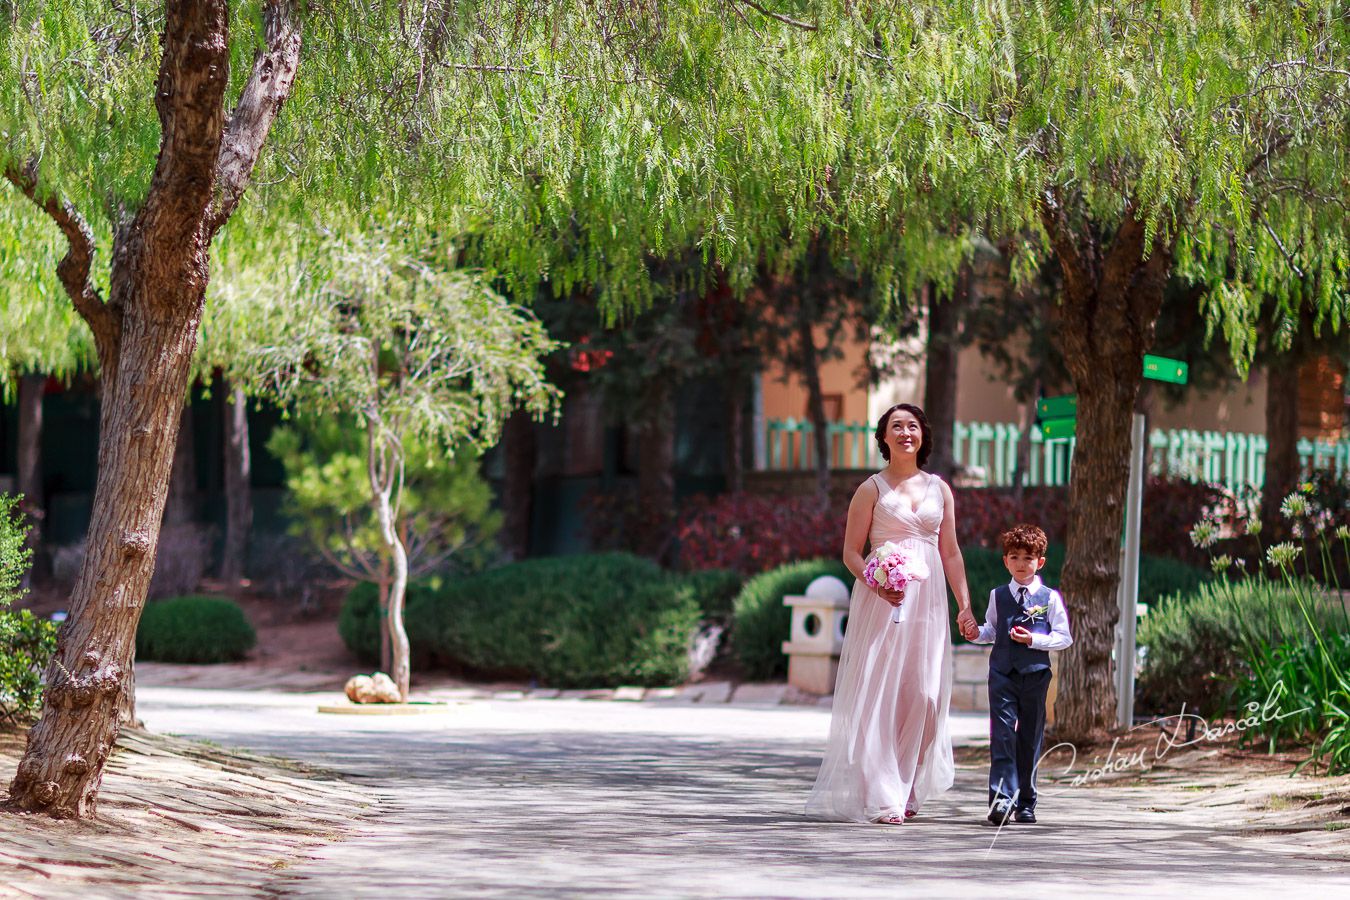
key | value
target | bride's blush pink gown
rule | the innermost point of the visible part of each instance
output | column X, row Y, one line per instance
column 889, row 743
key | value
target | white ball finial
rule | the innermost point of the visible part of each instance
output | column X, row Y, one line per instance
column 827, row 587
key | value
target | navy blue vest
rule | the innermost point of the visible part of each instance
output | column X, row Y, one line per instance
column 1008, row 655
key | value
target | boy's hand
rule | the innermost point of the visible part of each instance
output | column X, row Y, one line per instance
column 969, row 630
column 1020, row 634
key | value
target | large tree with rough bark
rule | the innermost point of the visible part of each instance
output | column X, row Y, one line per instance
column 1143, row 140
column 138, row 130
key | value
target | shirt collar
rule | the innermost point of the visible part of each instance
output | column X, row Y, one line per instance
column 1031, row 588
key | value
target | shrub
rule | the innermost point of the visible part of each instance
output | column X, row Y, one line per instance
column 26, row 646
column 1197, row 642
column 715, row 591
column 572, row 621
column 750, row 533
column 1158, row 577
column 193, row 629
column 761, row 622
column 26, row 643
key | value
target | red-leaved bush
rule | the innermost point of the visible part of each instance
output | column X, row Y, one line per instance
column 752, row 533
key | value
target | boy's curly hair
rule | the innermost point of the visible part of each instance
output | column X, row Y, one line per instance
column 1024, row 537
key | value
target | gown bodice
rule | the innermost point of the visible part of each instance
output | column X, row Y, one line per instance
column 894, row 520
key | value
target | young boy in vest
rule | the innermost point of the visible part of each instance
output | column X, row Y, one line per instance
column 1025, row 621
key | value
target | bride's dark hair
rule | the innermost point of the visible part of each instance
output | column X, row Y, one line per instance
column 925, row 449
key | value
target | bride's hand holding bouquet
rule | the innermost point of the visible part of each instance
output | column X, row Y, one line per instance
column 890, row 570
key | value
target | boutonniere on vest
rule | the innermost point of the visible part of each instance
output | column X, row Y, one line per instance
column 1035, row 614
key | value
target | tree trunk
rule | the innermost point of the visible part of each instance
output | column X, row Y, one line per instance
column 940, row 370
column 29, row 458
column 88, row 679
column 518, row 445
column 656, row 472
column 386, row 649
column 144, row 334
column 1282, row 466
column 1022, row 469
column 815, row 406
column 735, row 439
column 238, row 496
column 1104, row 325
column 179, row 509
column 384, row 468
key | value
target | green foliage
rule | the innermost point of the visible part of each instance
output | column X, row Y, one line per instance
column 761, row 622
column 15, row 557
column 26, row 647
column 194, row 629
column 445, row 510
column 715, row 590
column 1202, row 644
column 1159, row 576
column 573, row 621
column 26, row 643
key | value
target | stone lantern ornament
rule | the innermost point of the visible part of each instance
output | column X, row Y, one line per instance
column 819, row 618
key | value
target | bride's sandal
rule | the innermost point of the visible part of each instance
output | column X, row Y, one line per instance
column 889, row 819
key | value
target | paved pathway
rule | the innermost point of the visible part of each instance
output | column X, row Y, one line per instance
column 590, row 799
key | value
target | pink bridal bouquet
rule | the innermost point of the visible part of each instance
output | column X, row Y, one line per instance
column 892, row 566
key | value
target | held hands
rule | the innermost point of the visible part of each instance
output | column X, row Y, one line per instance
column 1020, row 634
column 965, row 621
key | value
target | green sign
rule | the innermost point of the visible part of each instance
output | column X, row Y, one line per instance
column 1058, row 428
column 1160, row 368
column 1065, row 407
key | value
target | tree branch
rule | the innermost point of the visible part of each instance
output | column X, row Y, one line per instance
column 795, row 23
column 1078, row 277
column 266, row 90
column 189, row 95
column 74, row 268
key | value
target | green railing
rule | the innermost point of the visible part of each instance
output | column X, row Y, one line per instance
column 1225, row 458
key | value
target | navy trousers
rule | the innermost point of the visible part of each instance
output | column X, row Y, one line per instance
column 1016, row 727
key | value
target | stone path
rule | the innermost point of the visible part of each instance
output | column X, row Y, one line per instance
column 584, row 799
column 252, row 677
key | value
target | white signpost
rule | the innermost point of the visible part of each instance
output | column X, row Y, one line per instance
column 1128, row 591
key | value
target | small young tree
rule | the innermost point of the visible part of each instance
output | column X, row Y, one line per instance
column 445, row 510
column 413, row 354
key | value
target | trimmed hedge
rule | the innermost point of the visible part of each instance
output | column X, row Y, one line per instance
column 570, row 621
column 1158, row 577
column 194, row 629
column 715, row 590
column 761, row 622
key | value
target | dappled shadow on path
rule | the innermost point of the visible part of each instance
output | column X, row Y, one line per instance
column 638, row 814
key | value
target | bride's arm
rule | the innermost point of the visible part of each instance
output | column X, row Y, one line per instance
column 953, row 564
column 859, row 523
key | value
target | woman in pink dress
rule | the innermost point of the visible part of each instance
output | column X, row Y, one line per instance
column 889, row 749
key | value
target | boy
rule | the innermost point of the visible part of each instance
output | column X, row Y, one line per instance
column 1025, row 621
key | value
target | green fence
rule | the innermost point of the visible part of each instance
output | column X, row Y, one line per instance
column 1224, row 458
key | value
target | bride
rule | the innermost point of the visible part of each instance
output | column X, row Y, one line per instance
column 889, row 750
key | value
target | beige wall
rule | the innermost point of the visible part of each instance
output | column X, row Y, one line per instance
column 983, row 397
column 838, row 377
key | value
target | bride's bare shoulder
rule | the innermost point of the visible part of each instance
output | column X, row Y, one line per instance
column 942, row 486
column 868, row 490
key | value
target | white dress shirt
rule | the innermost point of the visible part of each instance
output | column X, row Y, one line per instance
column 1055, row 614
